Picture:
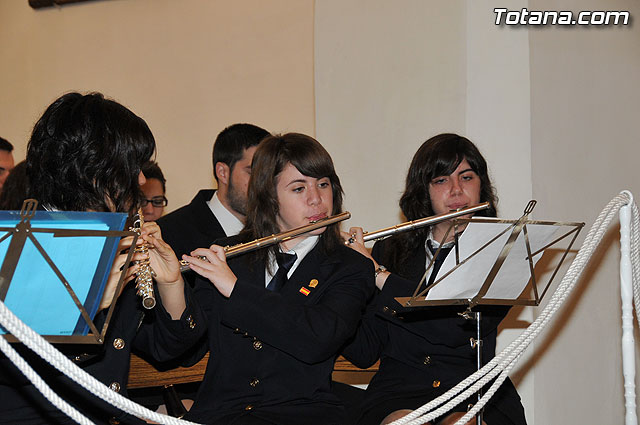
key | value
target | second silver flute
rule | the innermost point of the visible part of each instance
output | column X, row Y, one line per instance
column 232, row 251
column 415, row 224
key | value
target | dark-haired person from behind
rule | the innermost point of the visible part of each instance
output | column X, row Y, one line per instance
column 85, row 154
column 425, row 352
column 6, row 159
column 215, row 214
column 153, row 192
column 14, row 190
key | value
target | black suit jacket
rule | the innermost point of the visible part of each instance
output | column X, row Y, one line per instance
column 272, row 354
column 422, row 350
column 150, row 332
column 191, row 226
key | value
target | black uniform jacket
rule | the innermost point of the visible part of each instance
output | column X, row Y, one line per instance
column 131, row 327
column 422, row 350
column 272, row 353
column 191, row 226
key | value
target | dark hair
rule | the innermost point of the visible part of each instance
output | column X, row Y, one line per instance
column 5, row 145
column 271, row 157
column 233, row 141
column 85, row 153
column 14, row 190
column 438, row 156
column 151, row 170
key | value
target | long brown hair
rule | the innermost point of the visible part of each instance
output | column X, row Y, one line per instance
column 271, row 157
column 438, row 156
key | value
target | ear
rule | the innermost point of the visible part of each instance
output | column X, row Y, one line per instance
column 223, row 173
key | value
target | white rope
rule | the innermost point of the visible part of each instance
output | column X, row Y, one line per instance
column 49, row 353
column 502, row 363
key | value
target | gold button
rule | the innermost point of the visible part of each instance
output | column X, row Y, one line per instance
column 114, row 421
column 393, row 312
column 469, row 406
column 257, row 345
column 385, row 309
column 427, row 360
column 254, row 382
column 436, row 383
column 248, row 407
column 118, row 343
column 115, row 386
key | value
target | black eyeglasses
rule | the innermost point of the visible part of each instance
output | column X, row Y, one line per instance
column 156, row 201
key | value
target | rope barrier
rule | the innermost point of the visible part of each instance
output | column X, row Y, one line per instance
column 58, row 360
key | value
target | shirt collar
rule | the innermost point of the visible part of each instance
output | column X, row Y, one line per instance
column 229, row 222
column 301, row 250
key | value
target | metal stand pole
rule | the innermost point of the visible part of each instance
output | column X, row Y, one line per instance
column 478, row 346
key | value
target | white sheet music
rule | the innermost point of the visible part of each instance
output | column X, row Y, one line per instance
column 466, row 281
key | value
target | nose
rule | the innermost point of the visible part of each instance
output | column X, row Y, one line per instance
column 147, row 210
column 314, row 197
column 455, row 187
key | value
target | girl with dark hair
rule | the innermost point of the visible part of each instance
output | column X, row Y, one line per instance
column 425, row 352
column 276, row 324
column 85, row 154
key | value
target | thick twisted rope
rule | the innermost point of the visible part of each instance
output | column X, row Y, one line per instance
column 49, row 353
column 502, row 363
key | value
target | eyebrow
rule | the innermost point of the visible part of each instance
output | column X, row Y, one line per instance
column 466, row 171
column 296, row 181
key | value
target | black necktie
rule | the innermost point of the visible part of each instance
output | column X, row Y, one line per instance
column 285, row 261
column 438, row 261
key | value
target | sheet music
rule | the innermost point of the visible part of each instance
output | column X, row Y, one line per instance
column 465, row 282
column 36, row 295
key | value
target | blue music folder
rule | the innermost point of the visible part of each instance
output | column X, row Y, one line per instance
column 83, row 255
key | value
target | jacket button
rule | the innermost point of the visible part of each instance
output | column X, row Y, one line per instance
column 248, row 407
column 254, row 382
column 436, row 384
column 427, row 360
column 393, row 312
column 385, row 309
column 237, row 331
column 115, row 386
column 114, row 421
column 257, row 345
column 118, row 343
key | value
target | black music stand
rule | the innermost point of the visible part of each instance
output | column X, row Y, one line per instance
column 502, row 243
column 75, row 249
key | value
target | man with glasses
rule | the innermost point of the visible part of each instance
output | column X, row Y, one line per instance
column 153, row 200
column 215, row 214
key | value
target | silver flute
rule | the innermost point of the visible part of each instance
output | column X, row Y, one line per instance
column 232, row 251
column 421, row 222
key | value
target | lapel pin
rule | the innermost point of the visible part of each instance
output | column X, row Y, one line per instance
column 313, row 283
column 305, row 291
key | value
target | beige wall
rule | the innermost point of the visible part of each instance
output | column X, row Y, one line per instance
column 585, row 146
column 554, row 110
column 189, row 68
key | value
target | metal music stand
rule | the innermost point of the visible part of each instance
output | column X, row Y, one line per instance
column 513, row 232
column 85, row 331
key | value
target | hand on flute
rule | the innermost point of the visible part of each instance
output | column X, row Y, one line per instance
column 116, row 269
column 214, row 268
